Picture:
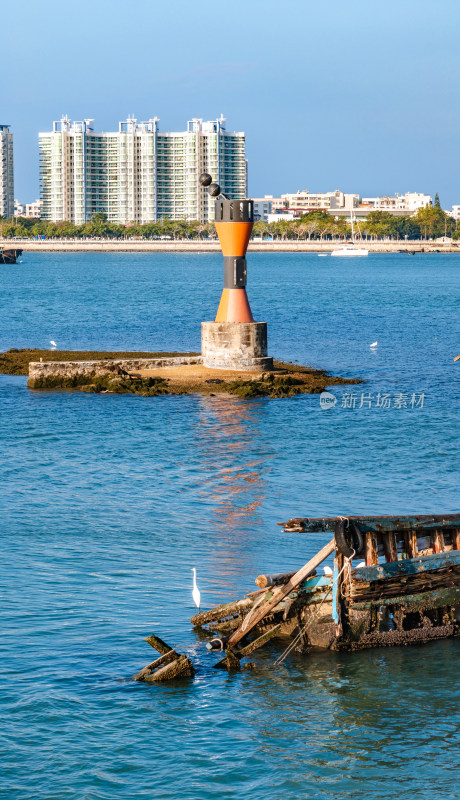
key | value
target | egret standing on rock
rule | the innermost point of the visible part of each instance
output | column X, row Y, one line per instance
column 196, row 594
column 54, row 345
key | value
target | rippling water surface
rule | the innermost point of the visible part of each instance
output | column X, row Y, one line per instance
column 107, row 501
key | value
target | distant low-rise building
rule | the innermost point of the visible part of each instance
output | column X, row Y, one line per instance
column 362, row 212
column 414, row 200
column 28, row 210
column 454, row 212
column 262, row 208
column 279, row 204
column 409, row 202
column 341, row 204
column 305, row 201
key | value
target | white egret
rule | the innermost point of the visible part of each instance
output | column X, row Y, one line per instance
column 328, row 571
column 374, row 344
column 53, row 343
column 196, row 594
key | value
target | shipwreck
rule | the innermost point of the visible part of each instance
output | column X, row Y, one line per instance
column 394, row 581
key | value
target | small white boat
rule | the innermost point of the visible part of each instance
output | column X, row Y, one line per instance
column 351, row 250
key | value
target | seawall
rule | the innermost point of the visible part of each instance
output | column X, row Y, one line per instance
column 41, row 372
column 186, row 246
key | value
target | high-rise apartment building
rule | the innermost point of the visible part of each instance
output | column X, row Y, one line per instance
column 137, row 174
column 6, row 172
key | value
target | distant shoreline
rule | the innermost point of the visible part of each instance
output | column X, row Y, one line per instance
column 186, row 246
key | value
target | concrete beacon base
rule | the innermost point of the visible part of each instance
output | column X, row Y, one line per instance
column 235, row 345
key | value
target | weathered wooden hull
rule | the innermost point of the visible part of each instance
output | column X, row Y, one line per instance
column 10, row 256
column 404, row 601
column 407, row 592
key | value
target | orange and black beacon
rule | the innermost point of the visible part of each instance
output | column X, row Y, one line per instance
column 234, row 340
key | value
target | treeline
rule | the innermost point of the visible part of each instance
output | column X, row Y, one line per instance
column 99, row 227
column 428, row 223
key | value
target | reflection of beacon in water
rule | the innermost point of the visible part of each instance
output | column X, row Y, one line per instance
column 233, row 340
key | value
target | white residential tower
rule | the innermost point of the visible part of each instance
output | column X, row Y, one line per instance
column 137, row 174
column 6, row 172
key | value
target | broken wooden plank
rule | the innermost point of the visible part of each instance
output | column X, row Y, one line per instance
column 158, row 644
column 371, row 548
column 437, row 541
column 159, row 662
column 231, row 662
column 404, row 585
column 181, row 667
column 389, row 546
column 410, row 538
column 221, row 612
column 438, row 598
column 259, row 642
column 169, row 665
column 418, row 522
column 293, row 526
column 280, row 593
column 406, row 567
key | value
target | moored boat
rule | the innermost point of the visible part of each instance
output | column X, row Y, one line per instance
column 350, row 250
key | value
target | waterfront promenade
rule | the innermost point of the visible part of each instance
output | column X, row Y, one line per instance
column 210, row 246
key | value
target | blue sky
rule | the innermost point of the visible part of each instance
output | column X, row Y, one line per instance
column 358, row 95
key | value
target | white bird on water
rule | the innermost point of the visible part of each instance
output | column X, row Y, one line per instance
column 374, row 344
column 53, row 343
column 196, row 594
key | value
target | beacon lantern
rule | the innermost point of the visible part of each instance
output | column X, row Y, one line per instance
column 234, row 340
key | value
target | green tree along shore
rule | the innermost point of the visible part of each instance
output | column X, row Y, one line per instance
column 428, row 223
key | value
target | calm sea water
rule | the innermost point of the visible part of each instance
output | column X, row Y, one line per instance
column 107, row 502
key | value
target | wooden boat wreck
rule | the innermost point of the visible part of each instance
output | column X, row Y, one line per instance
column 395, row 580
column 9, row 255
